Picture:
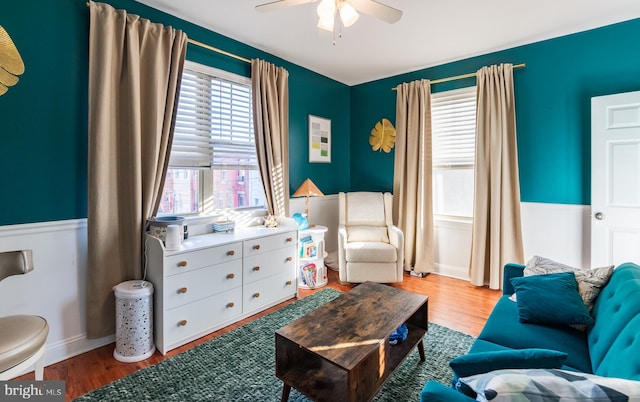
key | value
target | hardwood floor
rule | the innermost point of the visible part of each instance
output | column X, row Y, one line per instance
column 453, row 303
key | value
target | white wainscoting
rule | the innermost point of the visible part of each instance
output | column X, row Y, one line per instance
column 452, row 248
column 561, row 232
column 558, row 231
column 56, row 287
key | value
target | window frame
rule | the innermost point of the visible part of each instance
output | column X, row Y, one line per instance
column 468, row 165
column 207, row 197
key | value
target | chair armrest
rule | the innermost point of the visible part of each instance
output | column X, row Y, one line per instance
column 342, row 258
column 342, row 236
column 434, row 391
column 396, row 236
column 511, row 270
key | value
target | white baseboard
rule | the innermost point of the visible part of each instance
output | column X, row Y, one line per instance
column 451, row 271
column 74, row 346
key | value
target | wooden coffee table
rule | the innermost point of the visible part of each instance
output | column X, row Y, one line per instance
column 341, row 351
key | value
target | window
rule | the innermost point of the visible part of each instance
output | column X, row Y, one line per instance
column 213, row 155
column 453, row 122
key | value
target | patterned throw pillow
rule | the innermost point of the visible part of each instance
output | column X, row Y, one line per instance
column 590, row 281
column 550, row 385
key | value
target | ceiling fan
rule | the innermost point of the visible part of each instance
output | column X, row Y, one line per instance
column 347, row 10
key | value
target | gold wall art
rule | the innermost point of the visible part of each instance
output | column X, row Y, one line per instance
column 383, row 136
column 11, row 65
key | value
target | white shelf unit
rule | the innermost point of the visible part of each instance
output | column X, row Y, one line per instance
column 217, row 279
column 312, row 272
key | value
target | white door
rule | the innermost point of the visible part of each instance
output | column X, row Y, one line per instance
column 615, row 179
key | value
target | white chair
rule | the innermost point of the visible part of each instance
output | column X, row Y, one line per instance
column 22, row 337
column 370, row 247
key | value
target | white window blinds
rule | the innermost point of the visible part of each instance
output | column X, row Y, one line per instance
column 453, row 123
column 214, row 122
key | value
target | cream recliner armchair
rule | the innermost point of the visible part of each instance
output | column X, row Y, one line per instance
column 22, row 337
column 370, row 247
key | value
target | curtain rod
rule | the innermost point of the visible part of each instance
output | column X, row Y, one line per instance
column 459, row 77
column 214, row 49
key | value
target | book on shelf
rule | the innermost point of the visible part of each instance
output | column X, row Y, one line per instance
column 308, row 248
column 309, row 275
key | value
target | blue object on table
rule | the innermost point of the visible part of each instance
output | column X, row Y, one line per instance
column 301, row 221
column 399, row 334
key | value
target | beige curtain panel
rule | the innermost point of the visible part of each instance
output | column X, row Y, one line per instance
column 270, row 85
column 135, row 68
column 497, row 233
column 412, row 181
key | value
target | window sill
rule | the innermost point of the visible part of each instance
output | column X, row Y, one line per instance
column 452, row 219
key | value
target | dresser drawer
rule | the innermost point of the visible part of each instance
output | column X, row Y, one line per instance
column 196, row 318
column 184, row 262
column 200, row 283
column 268, row 243
column 263, row 265
column 257, row 295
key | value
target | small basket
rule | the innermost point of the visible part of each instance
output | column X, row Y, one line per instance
column 224, row 226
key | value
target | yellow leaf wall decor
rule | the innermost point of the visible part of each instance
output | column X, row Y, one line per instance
column 11, row 65
column 383, row 136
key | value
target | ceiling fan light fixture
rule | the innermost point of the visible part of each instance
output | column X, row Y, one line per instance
column 326, row 9
column 326, row 23
column 348, row 14
column 326, row 14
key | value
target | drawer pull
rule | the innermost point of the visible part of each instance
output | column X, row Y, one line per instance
column 256, row 269
column 256, row 295
column 256, row 247
column 231, row 252
column 182, row 323
column 182, row 290
column 289, row 239
column 229, row 305
column 289, row 259
column 289, row 283
column 231, row 276
column 182, row 264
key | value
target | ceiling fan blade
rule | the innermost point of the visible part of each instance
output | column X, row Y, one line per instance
column 378, row 10
column 279, row 4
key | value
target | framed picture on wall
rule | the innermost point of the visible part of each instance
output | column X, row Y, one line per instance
column 319, row 139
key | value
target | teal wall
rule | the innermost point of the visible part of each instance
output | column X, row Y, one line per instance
column 43, row 119
column 553, row 112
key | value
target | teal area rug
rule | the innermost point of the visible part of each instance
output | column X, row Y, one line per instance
column 240, row 365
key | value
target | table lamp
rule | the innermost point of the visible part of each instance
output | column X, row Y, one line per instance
column 308, row 189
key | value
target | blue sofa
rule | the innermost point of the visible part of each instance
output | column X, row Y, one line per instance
column 609, row 348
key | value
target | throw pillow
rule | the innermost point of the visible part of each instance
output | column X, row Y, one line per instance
column 483, row 362
column 550, row 299
column 550, row 385
column 590, row 281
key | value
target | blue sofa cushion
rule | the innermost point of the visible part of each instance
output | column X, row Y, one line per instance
column 483, row 362
column 504, row 330
column 551, row 299
column 590, row 281
column 615, row 336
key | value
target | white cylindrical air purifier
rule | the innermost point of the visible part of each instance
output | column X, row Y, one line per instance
column 134, row 321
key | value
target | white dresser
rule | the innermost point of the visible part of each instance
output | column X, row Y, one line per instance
column 217, row 279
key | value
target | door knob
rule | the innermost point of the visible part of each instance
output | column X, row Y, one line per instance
column 599, row 216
